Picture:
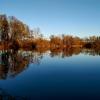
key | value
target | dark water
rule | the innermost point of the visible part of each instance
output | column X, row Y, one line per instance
column 55, row 75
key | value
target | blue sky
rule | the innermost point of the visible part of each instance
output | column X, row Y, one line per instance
column 73, row 17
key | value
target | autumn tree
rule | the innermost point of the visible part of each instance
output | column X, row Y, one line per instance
column 55, row 41
column 4, row 28
column 17, row 29
column 67, row 40
column 77, row 42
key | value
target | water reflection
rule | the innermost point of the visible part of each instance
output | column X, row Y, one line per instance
column 93, row 52
column 14, row 62
column 66, row 52
column 74, row 77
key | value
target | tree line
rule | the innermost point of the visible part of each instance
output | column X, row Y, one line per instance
column 16, row 34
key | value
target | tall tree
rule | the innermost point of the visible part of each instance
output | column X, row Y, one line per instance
column 4, row 28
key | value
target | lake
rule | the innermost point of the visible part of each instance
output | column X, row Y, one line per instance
column 50, row 75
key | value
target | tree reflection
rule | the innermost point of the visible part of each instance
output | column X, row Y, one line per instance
column 93, row 52
column 66, row 52
column 14, row 62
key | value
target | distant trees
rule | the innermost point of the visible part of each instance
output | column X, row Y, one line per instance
column 36, row 33
column 18, row 34
column 92, row 42
column 55, row 41
column 77, row 41
column 65, row 41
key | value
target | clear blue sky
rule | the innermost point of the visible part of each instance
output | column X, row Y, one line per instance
column 76, row 17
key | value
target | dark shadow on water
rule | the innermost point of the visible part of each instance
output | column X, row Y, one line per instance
column 6, row 96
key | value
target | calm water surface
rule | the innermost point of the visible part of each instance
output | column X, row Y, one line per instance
column 29, row 75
